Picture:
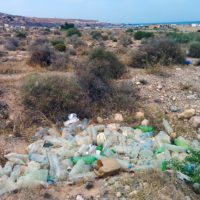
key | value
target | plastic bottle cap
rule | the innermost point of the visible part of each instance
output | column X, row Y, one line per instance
column 130, row 166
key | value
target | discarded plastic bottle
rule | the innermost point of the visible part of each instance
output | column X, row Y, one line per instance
column 47, row 144
column 86, row 159
column 145, row 128
column 124, row 164
column 147, row 135
column 41, row 133
column 189, row 167
column 84, row 124
column 16, row 172
column 168, row 128
column 181, row 143
column 72, row 115
column 174, row 148
column 164, row 165
column 147, row 145
column 38, row 158
column 8, row 168
column 160, row 150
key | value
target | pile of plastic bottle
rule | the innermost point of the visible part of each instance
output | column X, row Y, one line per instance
column 71, row 153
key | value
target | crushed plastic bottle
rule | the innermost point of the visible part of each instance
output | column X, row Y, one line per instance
column 53, row 132
column 6, row 185
column 16, row 172
column 175, row 148
column 8, row 168
column 38, row 158
column 19, row 159
column 168, row 128
column 124, row 164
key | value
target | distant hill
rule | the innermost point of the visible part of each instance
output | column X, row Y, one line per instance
column 15, row 20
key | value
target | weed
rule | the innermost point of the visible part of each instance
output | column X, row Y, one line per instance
column 194, row 50
column 141, row 34
column 73, row 31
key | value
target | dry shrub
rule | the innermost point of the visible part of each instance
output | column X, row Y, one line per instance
column 11, row 44
column 42, row 54
column 162, row 51
column 76, row 41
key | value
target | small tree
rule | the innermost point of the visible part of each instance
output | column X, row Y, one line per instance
column 73, row 31
column 66, row 26
column 141, row 34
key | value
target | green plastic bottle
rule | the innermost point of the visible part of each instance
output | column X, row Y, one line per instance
column 145, row 128
column 164, row 165
column 86, row 159
column 181, row 143
column 160, row 150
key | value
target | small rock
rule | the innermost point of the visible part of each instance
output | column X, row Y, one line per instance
column 134, row 192
column 191, row 97
column 127, row 188
column 79, row 197
column 173, row 135
column 145, row 122
column 114, row 126
column 174, row 108
column 99, row 120
column 139, row 115
column 89, row 185
column 196, row 187
column 137, row 83
column 118, row 194
column 174, row 98
column 178, row 69
column 187, row 114
column 187, row 198
column 195, row 122
column 159, row 87
column 118, row 117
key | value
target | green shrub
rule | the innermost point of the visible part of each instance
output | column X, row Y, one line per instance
column 55, row 42
column 73, row 31
column 21, row 35
column 182, row 38
column 105, row 64
column 54, row 95
column 114, row 40
column 157, row 52
column 130, row 30
column 60, row 47
column 194, row 50
column 141, row 34
column 192, row 159
column 67, row 26
column 75, row 41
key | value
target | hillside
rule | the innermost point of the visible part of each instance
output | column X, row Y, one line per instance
column 15, row 20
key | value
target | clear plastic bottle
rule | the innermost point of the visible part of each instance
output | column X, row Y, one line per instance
column 84, row 124
column 55, row 167
column 8, row 168
column 19, row 159
column 136, row 149
column 162, row 138
column 146, row 154
column 168, row 128
column 6, row 185
column 16, row 172
column 147, row 135
column 36, row 147
column 175, row 148
column 38, row 158
column 124, row 164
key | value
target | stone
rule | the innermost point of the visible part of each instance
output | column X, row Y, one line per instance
column 79, row 197
column 139, row 115
column 174, row 108
column 196, row 187
column 173, row 135
column 114, row 126
column 99, row 120
column 127, row 187
column 187, row 114
column 118, row 194
column 118, row 117
column 195, row 122
column 187, row 198
column 191, row 97
column 145, row 122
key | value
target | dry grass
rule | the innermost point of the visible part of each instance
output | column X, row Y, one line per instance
column 151, row 185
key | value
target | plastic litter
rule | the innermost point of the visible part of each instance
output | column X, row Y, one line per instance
column 77, row 156
column 168, row 128
column 40, row 133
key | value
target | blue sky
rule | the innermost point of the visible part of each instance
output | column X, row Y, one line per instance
column 116, row 11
